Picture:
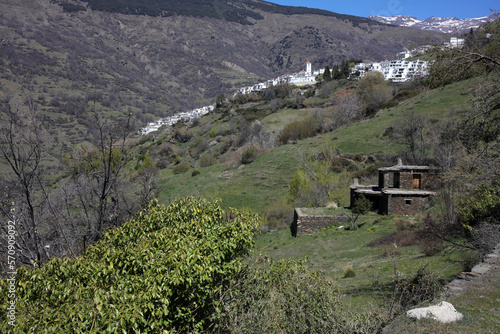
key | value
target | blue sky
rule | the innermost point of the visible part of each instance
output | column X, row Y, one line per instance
column 421, row 9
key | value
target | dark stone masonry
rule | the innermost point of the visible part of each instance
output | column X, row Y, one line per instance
column 402, row 189
column 304, row 224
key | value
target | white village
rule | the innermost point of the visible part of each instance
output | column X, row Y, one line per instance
column 399, row 70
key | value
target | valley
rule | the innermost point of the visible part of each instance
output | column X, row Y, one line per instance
column 185, row 227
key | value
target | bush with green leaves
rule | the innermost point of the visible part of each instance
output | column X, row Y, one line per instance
column 484, row 206
column 362, row 206
column 285, row 297
column 297, row 130
column 181, row 167
column 157, row 272
column 207, row 160
column 249, row 155
column 316, row 186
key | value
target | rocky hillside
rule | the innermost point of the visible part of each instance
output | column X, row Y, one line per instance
column 65, row 54
column 440, row 24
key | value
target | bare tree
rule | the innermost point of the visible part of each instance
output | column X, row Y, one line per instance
column 21, row 149
column 409, row 132
column 481, row 123
column 149, row 187
column 96, row 182
column 480, row 54
column 349, row 108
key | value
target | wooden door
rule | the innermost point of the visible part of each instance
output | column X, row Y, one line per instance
column 417, row 178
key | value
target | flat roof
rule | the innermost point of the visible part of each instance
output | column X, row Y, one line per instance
column 394, row 191
column 403, row 167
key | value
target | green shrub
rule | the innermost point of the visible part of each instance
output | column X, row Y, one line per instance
column 207, row 160
column 195, row 173
column 299, row 130
column 144, row 139
column 278, row 215
column 485, row 204
column 249, row 155
column 285, row 297
column 157, row 273
column 349, row 272
column 181, row 167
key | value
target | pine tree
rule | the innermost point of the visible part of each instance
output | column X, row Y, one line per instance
column 327, row 76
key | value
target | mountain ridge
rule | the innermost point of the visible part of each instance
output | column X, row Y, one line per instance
column 433, row 23
column 241, row 11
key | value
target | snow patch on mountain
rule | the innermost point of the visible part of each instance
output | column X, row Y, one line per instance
column 441, row 24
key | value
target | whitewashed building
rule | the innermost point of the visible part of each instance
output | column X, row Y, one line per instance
column 394, row 70
column 303, row 78
column 172, row 120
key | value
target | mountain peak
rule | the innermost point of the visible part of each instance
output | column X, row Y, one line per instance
column 434, row 23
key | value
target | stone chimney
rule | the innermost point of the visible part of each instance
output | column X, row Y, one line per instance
column 400, row 162
column 355, row 181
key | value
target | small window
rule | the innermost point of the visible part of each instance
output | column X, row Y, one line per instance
column 408, row 201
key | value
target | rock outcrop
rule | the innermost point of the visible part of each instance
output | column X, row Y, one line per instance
column 443, row 312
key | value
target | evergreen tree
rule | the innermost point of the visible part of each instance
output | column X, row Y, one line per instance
column 336, row 72
column 327, row 76
column 344, row 68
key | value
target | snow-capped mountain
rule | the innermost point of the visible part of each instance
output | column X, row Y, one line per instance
column 441, row 24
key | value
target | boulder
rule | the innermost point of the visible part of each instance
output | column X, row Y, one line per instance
column 443, row 312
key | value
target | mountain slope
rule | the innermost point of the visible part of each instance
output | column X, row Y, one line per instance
column 440, row 24
column 240, row 11
column 154, row 66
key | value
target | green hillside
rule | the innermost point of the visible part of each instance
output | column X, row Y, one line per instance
column 258, row 184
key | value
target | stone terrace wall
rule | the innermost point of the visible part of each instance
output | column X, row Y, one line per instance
column 303, row 224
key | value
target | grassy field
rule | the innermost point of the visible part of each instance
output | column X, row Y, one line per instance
column 251, row 186
column 332, row 250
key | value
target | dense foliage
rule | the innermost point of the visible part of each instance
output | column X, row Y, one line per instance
column 158, row 271
column 285, row 297
column 484, row 206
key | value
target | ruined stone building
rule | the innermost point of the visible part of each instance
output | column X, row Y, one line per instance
column 401, row 190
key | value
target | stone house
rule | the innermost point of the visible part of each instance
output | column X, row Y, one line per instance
column 401, row 190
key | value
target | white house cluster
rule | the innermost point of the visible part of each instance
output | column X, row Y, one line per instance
column 171, row 120
column 399, row 70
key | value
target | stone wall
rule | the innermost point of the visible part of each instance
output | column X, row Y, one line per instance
column 406, row 205
column 303, row 224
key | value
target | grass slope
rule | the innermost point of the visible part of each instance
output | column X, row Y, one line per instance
column 256, row 185
column 333, row 249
